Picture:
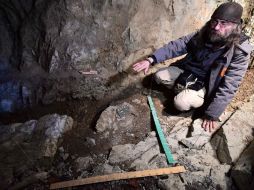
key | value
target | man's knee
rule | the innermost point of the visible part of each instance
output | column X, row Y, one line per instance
column 161, row 75
column 167, row 76
column 181, row 105
column 188, row 99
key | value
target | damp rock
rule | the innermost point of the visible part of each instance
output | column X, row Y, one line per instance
column 113, row 117
column 90, row 142
column 83, row 163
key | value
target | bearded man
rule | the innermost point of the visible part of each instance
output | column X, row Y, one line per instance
column 216, row 61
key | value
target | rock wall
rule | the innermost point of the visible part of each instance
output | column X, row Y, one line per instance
column 53, row 50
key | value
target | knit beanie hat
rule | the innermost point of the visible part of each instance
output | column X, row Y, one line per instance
column 230, row 11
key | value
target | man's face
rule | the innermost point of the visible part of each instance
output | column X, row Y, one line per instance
column 220, row 30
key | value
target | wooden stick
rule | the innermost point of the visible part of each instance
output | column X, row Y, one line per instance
column 118, row 176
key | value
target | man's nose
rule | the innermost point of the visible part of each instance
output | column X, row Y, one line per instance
column 217, row 26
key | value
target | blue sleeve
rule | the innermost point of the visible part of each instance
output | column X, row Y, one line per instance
column 173, row 48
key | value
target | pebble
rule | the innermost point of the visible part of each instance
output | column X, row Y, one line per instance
column 61, row 149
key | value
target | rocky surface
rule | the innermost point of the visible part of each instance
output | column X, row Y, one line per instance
column 235, row 134
column 197, row 137
column 242, row 172
column 28, row 148
column 191, row 148
column 116, row 116
column 122, row 153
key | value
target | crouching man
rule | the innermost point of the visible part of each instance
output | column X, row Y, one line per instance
column 216, row 61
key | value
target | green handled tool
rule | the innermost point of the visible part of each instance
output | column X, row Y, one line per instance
column 164, row 144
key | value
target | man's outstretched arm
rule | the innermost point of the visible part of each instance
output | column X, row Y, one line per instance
column 172, row 49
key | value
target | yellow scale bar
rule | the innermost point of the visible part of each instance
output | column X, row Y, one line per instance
column 118, row 176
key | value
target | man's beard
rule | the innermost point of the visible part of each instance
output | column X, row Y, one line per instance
column 216, row 38
column 226, row 39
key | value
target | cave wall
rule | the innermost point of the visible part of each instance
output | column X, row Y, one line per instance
column 45, row 45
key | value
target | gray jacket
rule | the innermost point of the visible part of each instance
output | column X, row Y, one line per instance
column 226, row 71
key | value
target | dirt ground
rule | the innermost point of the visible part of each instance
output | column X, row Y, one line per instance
column 86, row 112
column 245, row 91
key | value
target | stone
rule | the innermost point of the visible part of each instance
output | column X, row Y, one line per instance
column 242, row 172
column 190, row 164
column 173, row 144
column 121, row 153
column 196, row 160
column 90, row 141
column 106, row 120
column 198, row 136
column 28, row 127
column 83, row 163
column 136, row 101
column 198, row 180
column 61, row 149
column 173, row 182
column 179, row 122
column 113, row 117
column 106, row 169
column 53, row 126
column 179, row 127
column 152, row 134
column 179, row 134
column 122, row 111
column 129, row 152
column 219, row 174
column 65, row 156
column 37, row 140
column 41, row 135
column 7, row 131
column 143, row 162
column 159, row 161
column 233, row 137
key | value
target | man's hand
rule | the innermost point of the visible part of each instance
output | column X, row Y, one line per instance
column 142, row 65
column 209, row 125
